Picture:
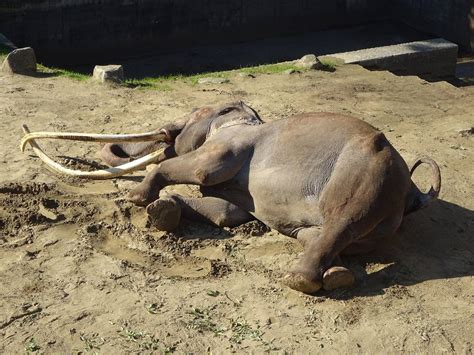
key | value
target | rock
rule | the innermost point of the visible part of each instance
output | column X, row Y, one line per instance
column 466, row 132
column 211, row 80
column 309, row 61
column 290, row 71
column 20, row 61
column 246, row 75
column 108, row 73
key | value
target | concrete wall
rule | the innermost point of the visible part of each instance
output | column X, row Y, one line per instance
column 101, row 26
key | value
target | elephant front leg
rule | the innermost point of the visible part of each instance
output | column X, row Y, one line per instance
column 205, row 166
column 165, row 213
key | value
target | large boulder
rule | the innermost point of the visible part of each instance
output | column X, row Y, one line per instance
column 20, row 61
column 108, row 73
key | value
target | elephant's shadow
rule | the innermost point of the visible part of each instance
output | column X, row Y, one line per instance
column 434, row 243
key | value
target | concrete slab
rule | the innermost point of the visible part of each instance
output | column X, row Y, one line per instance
column 433, row 58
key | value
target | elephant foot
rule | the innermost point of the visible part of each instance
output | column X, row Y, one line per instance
column 142, row 196
column 164, row 214
column 337, row 277
column 298, row 282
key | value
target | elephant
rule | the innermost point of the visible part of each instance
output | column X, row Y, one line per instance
column 332, row 181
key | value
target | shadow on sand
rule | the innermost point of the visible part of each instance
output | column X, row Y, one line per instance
column 435, row 243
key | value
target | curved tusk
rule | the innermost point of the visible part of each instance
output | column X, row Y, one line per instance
column 94, row 137
column 96, row 175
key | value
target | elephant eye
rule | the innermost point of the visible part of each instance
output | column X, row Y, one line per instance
column 226, row 111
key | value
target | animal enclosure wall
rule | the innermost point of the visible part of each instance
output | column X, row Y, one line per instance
column 101, row 26
column 451, row 19
column 81, row 29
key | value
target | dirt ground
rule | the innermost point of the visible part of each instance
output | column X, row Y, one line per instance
column 81, row 272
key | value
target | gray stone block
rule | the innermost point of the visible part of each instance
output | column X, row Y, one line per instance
column 20, row 61
column 108, row 73
column 431, row 58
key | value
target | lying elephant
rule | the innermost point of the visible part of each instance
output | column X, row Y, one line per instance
column 332, row 181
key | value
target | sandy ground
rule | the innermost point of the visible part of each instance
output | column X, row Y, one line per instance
column 81, row 272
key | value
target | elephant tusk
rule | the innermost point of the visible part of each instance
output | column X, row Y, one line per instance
column 102, row 174
column 94, row 137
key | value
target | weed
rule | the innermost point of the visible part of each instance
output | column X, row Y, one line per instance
column 202, row 321
column 144, row 341
column 130, row 334
column 150, row 343
column 153, row 308
column 242, row 330
column 31, row 346
column 169, row 349
column 312, row 318
column 91, row 343
column 213, row 293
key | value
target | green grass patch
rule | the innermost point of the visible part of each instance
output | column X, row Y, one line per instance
column 4, row 52
column 193, row 79
column 163, row 83
column 63, row 72
column 330, row 64
column 148, row 83
column 270, row 68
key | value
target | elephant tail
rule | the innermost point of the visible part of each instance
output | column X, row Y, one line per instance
column 423, row 199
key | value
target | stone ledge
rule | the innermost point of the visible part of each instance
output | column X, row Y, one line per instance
column 433, row 58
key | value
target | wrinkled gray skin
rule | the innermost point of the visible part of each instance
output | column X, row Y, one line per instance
column 332, row 181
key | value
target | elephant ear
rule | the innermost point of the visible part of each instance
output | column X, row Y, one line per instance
column 232, row 115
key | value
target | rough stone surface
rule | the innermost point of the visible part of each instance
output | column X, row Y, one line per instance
column 309, row 61
column 108, row 73
column 210, row 80
column 20, row 61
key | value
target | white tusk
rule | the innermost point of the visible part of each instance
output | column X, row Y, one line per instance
column 96, row 175
column 94, row 137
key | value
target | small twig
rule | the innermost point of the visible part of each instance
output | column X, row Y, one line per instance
column 19, row 316
column 230, row 299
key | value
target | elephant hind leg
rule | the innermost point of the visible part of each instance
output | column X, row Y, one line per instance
column 166, row 213
column 318, row 267
column 321, row 266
